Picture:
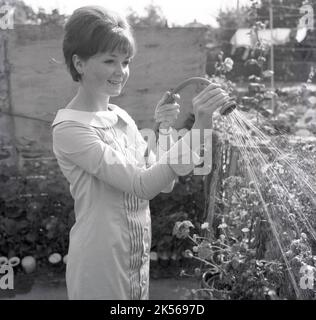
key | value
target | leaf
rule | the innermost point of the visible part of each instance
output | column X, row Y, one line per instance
column 268, row 73
column 31, row 237
column 23, row 224
column 10, row 226
column 269, row 94
column 14, row 212
column 50, row 234
column 31, row 216
column 265, row 168
column 205, row 225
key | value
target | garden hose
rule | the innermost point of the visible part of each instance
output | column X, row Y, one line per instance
column 226, row 109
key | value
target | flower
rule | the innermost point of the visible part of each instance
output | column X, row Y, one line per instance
column 188, row 253
column 205, row 250
column 54, row 258
column 303, row 236
column 261, row 59
column 197, row 271
column 182, row 229
column 269, row 94
column 205, row 225
column 251, row 62
column 235, row 263
column 268, row 73
column 228, row 64
column 182, row 273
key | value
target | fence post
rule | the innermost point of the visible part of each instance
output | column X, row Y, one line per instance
column 233, row 168
column 8, row 151
column 211, row 181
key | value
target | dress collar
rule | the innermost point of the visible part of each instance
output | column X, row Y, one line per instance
column 99, row 119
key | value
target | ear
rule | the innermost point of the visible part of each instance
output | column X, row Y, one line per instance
column 78, row 63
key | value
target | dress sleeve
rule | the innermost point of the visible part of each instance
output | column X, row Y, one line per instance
column 156, row 150
column 82, row 146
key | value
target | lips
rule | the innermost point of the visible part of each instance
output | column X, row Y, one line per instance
column 114, row 82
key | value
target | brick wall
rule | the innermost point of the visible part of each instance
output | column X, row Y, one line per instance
column 40, row 86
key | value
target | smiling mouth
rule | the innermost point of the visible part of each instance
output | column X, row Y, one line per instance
column 114, row 83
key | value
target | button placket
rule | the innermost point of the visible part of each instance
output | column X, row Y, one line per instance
column 145, row 260
column 146, row 242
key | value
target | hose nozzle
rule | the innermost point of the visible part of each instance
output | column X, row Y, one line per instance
column 226, row 109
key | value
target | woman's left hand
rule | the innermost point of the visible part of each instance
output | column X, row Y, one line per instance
column 167, row 114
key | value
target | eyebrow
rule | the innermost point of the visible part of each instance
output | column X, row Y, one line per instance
column 116, row 56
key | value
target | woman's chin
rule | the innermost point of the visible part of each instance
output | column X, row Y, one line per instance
column 115, row 94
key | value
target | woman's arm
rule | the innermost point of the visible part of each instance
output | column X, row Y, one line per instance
column 82, row 146
column 162, row 145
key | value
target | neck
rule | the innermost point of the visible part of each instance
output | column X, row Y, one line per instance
column 91, row 100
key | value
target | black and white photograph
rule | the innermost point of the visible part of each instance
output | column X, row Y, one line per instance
column 157, row 150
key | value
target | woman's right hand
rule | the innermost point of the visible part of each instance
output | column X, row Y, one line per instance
column 206, row 103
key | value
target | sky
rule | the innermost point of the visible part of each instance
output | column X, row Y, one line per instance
column 178, row 12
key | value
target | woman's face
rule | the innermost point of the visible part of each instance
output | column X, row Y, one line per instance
column 106, row 73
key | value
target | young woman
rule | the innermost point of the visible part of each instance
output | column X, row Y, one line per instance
column 101, row 153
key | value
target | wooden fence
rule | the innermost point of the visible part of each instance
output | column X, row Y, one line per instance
column 225, row 163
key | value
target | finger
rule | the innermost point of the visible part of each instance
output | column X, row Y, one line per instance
column 160, row 117
column 166, row 96
column 171, row 109
column 208, row 88
column 176, row 96
column 169, row 114
column 211, row 100
column 207, row 95
column 215, row 103
column 169, row 120
column 170, row 98
column 168, row 107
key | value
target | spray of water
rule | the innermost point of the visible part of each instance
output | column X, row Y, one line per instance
column 296, row 172
column 266, row 164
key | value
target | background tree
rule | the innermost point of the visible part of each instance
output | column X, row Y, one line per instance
column 54, row 18
column 153, row 17
column 24, row 14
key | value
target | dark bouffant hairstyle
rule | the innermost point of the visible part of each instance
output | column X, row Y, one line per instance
column 91, row 30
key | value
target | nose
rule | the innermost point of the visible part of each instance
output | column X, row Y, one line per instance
column 119, row 70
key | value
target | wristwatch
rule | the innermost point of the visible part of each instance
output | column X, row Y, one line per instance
column 165, row 132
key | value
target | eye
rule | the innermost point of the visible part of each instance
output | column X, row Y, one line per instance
column 126, row 62
column 109, row 61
